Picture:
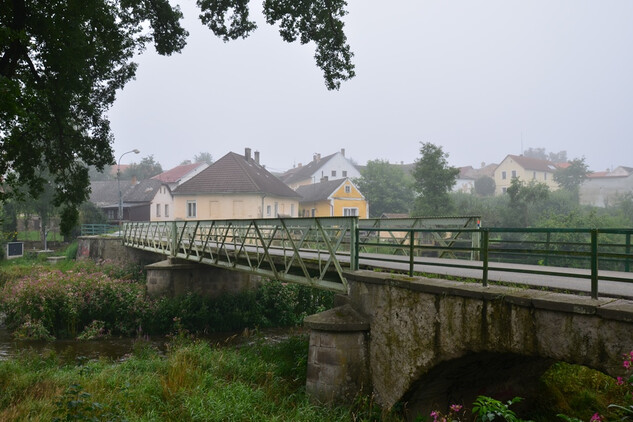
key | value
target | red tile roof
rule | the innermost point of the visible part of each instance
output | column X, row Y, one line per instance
column 177, row 173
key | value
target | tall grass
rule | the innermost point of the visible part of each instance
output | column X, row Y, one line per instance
column 194, row 382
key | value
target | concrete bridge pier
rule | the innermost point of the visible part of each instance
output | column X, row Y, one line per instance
column 338, row 359
column 175, row 277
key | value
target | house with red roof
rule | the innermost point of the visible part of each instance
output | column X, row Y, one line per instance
column 234, row 187
column 180, row 174
column 526, row 169
column 605, row 188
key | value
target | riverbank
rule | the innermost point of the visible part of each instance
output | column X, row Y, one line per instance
column 193, row 381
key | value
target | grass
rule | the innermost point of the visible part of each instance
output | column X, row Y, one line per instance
column 194, row 382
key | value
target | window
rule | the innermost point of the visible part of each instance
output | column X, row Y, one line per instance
column 503, row 175
column 191, row 209
column 503, row 190
column 313, row 212
column 157, row 210
column 276, row 209
column 292, row 210
column 333, row 173
column 544, row 176
column 344, row 173
column 348, row 189
column 268, row 210
column 514, row 174
column 350, row 212
column 166, row 210
column 533, row 175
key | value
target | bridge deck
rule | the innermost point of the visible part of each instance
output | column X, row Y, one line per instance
column 317, row 251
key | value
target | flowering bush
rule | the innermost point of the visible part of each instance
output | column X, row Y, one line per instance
column 64, row 303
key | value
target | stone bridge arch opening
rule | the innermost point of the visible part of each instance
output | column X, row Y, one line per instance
column 461, row 380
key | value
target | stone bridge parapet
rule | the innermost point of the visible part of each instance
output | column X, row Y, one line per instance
column 418, row 323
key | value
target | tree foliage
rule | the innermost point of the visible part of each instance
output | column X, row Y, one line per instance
column 555, row 157
column 203, row 157
column 387, row 188
column 434, row 179
column 526, row 197
column 61, row 63
column 146, row 169
column 571, row 177
column 485, row 186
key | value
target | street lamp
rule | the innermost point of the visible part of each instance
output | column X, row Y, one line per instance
column 118, row 179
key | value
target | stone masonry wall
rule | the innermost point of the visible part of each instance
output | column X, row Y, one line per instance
column 418, row 323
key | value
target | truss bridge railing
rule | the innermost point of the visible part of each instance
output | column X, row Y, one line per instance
column 311, row 251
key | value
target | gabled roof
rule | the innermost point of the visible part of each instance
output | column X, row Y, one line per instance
column 298, row 174
column 104, row 193
column 144, row 191
column 321, row 191
column 529, row 163
column 234, row 173
column 175, row 174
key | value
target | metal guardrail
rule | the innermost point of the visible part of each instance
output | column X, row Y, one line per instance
column 300, row 250
column 542, row 251
column 97, row 229
column 317, row 251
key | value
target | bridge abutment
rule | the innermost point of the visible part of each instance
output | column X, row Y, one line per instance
column 175, row 277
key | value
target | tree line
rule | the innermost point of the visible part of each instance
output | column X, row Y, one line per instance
column 424, row 189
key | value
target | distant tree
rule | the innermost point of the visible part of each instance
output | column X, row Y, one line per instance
column 185, row 163
column 526, row 197
column 485, row 186
column 203, row 157
column 555, row 157
column 535, row 153
column 571, row 177
column 434, row 179
column 387, row 188
column 146, row 169
column 101, row 175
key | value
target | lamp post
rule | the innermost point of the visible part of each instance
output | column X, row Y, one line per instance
column 118, row 179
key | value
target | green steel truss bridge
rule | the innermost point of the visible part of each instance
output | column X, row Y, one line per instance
column 319, row 251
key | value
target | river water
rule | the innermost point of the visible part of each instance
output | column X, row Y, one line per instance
column 119, row 348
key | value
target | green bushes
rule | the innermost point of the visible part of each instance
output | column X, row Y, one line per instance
column 41, row 301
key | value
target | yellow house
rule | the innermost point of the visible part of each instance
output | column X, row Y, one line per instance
column 332, row 198
column 234, row 187
column 526, row 169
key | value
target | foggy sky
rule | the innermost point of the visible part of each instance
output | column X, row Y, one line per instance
column 483, row 79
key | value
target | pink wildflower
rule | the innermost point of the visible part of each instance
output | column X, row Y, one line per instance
column 456, row 407
column 595, row 418
column 620, row 381
column 434, row 415
column 626, row 364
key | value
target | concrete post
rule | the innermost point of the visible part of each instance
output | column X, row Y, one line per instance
column 338, row 359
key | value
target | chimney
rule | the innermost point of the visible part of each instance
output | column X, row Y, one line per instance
column 314, row 158
column 257, row 157
column 343, row 152
column 247, row 153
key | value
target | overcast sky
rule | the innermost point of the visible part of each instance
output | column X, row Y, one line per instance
column 482, row 79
